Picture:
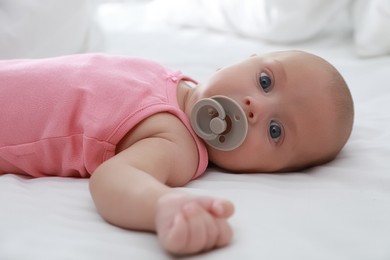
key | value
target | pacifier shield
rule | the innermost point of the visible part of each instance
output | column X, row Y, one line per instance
column 220, row 121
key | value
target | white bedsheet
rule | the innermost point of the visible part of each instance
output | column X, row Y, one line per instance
column 337, row 211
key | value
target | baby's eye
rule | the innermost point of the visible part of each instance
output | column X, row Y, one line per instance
column 265, row 82
column 275, row 131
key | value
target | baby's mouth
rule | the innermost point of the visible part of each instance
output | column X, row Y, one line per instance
column 228, row 125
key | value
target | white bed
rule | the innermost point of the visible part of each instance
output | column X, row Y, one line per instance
column 336, row 211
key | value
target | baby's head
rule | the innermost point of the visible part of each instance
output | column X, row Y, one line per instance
column 299, row 110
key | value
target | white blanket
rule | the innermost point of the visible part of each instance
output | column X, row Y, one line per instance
column 336, row 211
column 372, row 27
column 286, row 21
column 44, row 28
column 271, row 20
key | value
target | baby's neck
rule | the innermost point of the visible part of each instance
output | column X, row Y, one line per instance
column 186, row 97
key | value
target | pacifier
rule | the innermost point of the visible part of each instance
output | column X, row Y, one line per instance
column 220, row 122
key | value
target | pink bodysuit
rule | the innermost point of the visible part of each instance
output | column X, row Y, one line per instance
column 64, row 116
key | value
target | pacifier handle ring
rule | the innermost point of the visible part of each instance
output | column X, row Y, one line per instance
column 208, row 103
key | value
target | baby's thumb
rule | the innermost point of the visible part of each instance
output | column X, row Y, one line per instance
column 222, row 208
column 219, row 208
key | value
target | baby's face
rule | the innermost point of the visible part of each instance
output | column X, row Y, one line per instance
column 289, row 112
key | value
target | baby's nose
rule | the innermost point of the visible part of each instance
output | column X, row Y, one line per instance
column 251, row 109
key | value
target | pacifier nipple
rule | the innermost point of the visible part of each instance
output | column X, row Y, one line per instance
column 220, row 122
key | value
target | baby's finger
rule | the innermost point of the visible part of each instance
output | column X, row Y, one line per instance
column 225, row 233
column 212, row 230
column 197, row 233
column 222, row 208
column 176, row 239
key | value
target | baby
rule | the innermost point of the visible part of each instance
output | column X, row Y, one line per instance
column 125, row 123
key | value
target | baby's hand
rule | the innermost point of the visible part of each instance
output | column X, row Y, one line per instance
column 188, row 224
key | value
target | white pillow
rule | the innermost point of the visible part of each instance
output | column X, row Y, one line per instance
column 372, row 27
column 271, row 20
column 43, row 28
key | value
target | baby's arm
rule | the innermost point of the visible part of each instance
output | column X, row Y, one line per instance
column 130, row 191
